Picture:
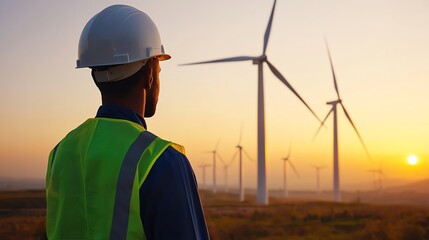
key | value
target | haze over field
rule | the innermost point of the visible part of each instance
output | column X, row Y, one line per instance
column 379, row 49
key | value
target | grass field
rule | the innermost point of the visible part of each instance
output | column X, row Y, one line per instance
column 22, row 216
column 310, row 219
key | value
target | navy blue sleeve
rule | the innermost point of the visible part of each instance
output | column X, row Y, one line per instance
column 170, row 206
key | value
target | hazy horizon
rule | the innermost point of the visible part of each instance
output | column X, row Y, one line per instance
column 388, row 185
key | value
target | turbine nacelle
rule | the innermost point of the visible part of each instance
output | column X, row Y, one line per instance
column 334, row 102
column 260, row 59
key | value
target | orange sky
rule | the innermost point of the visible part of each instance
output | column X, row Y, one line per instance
column 379, row 48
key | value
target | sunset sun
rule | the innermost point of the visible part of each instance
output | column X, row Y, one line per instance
column 412, row 160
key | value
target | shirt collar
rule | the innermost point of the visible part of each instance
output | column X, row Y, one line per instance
column 113, row 111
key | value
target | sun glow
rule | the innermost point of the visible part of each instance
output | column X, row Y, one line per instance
column 412, row 160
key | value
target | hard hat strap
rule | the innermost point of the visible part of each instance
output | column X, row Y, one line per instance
column 119, row 72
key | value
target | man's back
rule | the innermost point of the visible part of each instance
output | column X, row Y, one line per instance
column 83, row 174
column 87, row 163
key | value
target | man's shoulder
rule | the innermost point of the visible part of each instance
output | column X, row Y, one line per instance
column 114, row 129
column 173, row 152
column 171, row 166
column 83, row 127
column 172, row 159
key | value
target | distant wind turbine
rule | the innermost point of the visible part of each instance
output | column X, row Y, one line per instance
column 240, row 169
column 318, row 168
column 214, row 152
column 379, row 182
column 225, row 168
column 287, row 161
column 337, row 194
column 204, row 173
column 262, row 197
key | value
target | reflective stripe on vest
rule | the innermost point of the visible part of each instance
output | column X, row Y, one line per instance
column 125, row 185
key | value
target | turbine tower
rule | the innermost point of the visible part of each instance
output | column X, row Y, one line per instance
column 240, row 173
column 240, row 169
column 337, row 194
column 262, row 196
column 204, row 173
column 287, row 161
column 318, row 168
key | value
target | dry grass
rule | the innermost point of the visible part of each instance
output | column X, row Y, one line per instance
column 309, row 219
column 22, row 216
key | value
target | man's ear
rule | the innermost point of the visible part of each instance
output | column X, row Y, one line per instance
column 150, row 78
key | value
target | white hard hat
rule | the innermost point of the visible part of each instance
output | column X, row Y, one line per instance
column 119, row 34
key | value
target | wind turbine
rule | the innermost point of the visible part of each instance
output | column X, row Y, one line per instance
column 204, row 173
column 379, row 182
column 214, row 152
column 225, row 168
column 318, row 168
column 337, row 194
column 262, row 197
column 287, row 161
column 240, row 169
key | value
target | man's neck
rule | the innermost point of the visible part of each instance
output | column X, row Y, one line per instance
column 136, row 104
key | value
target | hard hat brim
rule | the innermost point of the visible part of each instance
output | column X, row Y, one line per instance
column 163, row 57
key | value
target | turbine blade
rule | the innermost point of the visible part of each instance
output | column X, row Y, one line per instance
column 268, row 30
column 233, row 158
column 232, row 59
column 319, row 167
column 332, row 68
column 220, row 158
column 321, row 125
column 293, row 167
column 354, row 127
column 288, row 153
column 285, row 82
column 247, row 155
column 241, row 134
column 217, row 144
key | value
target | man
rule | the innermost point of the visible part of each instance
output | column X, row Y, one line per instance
column 110, row 178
